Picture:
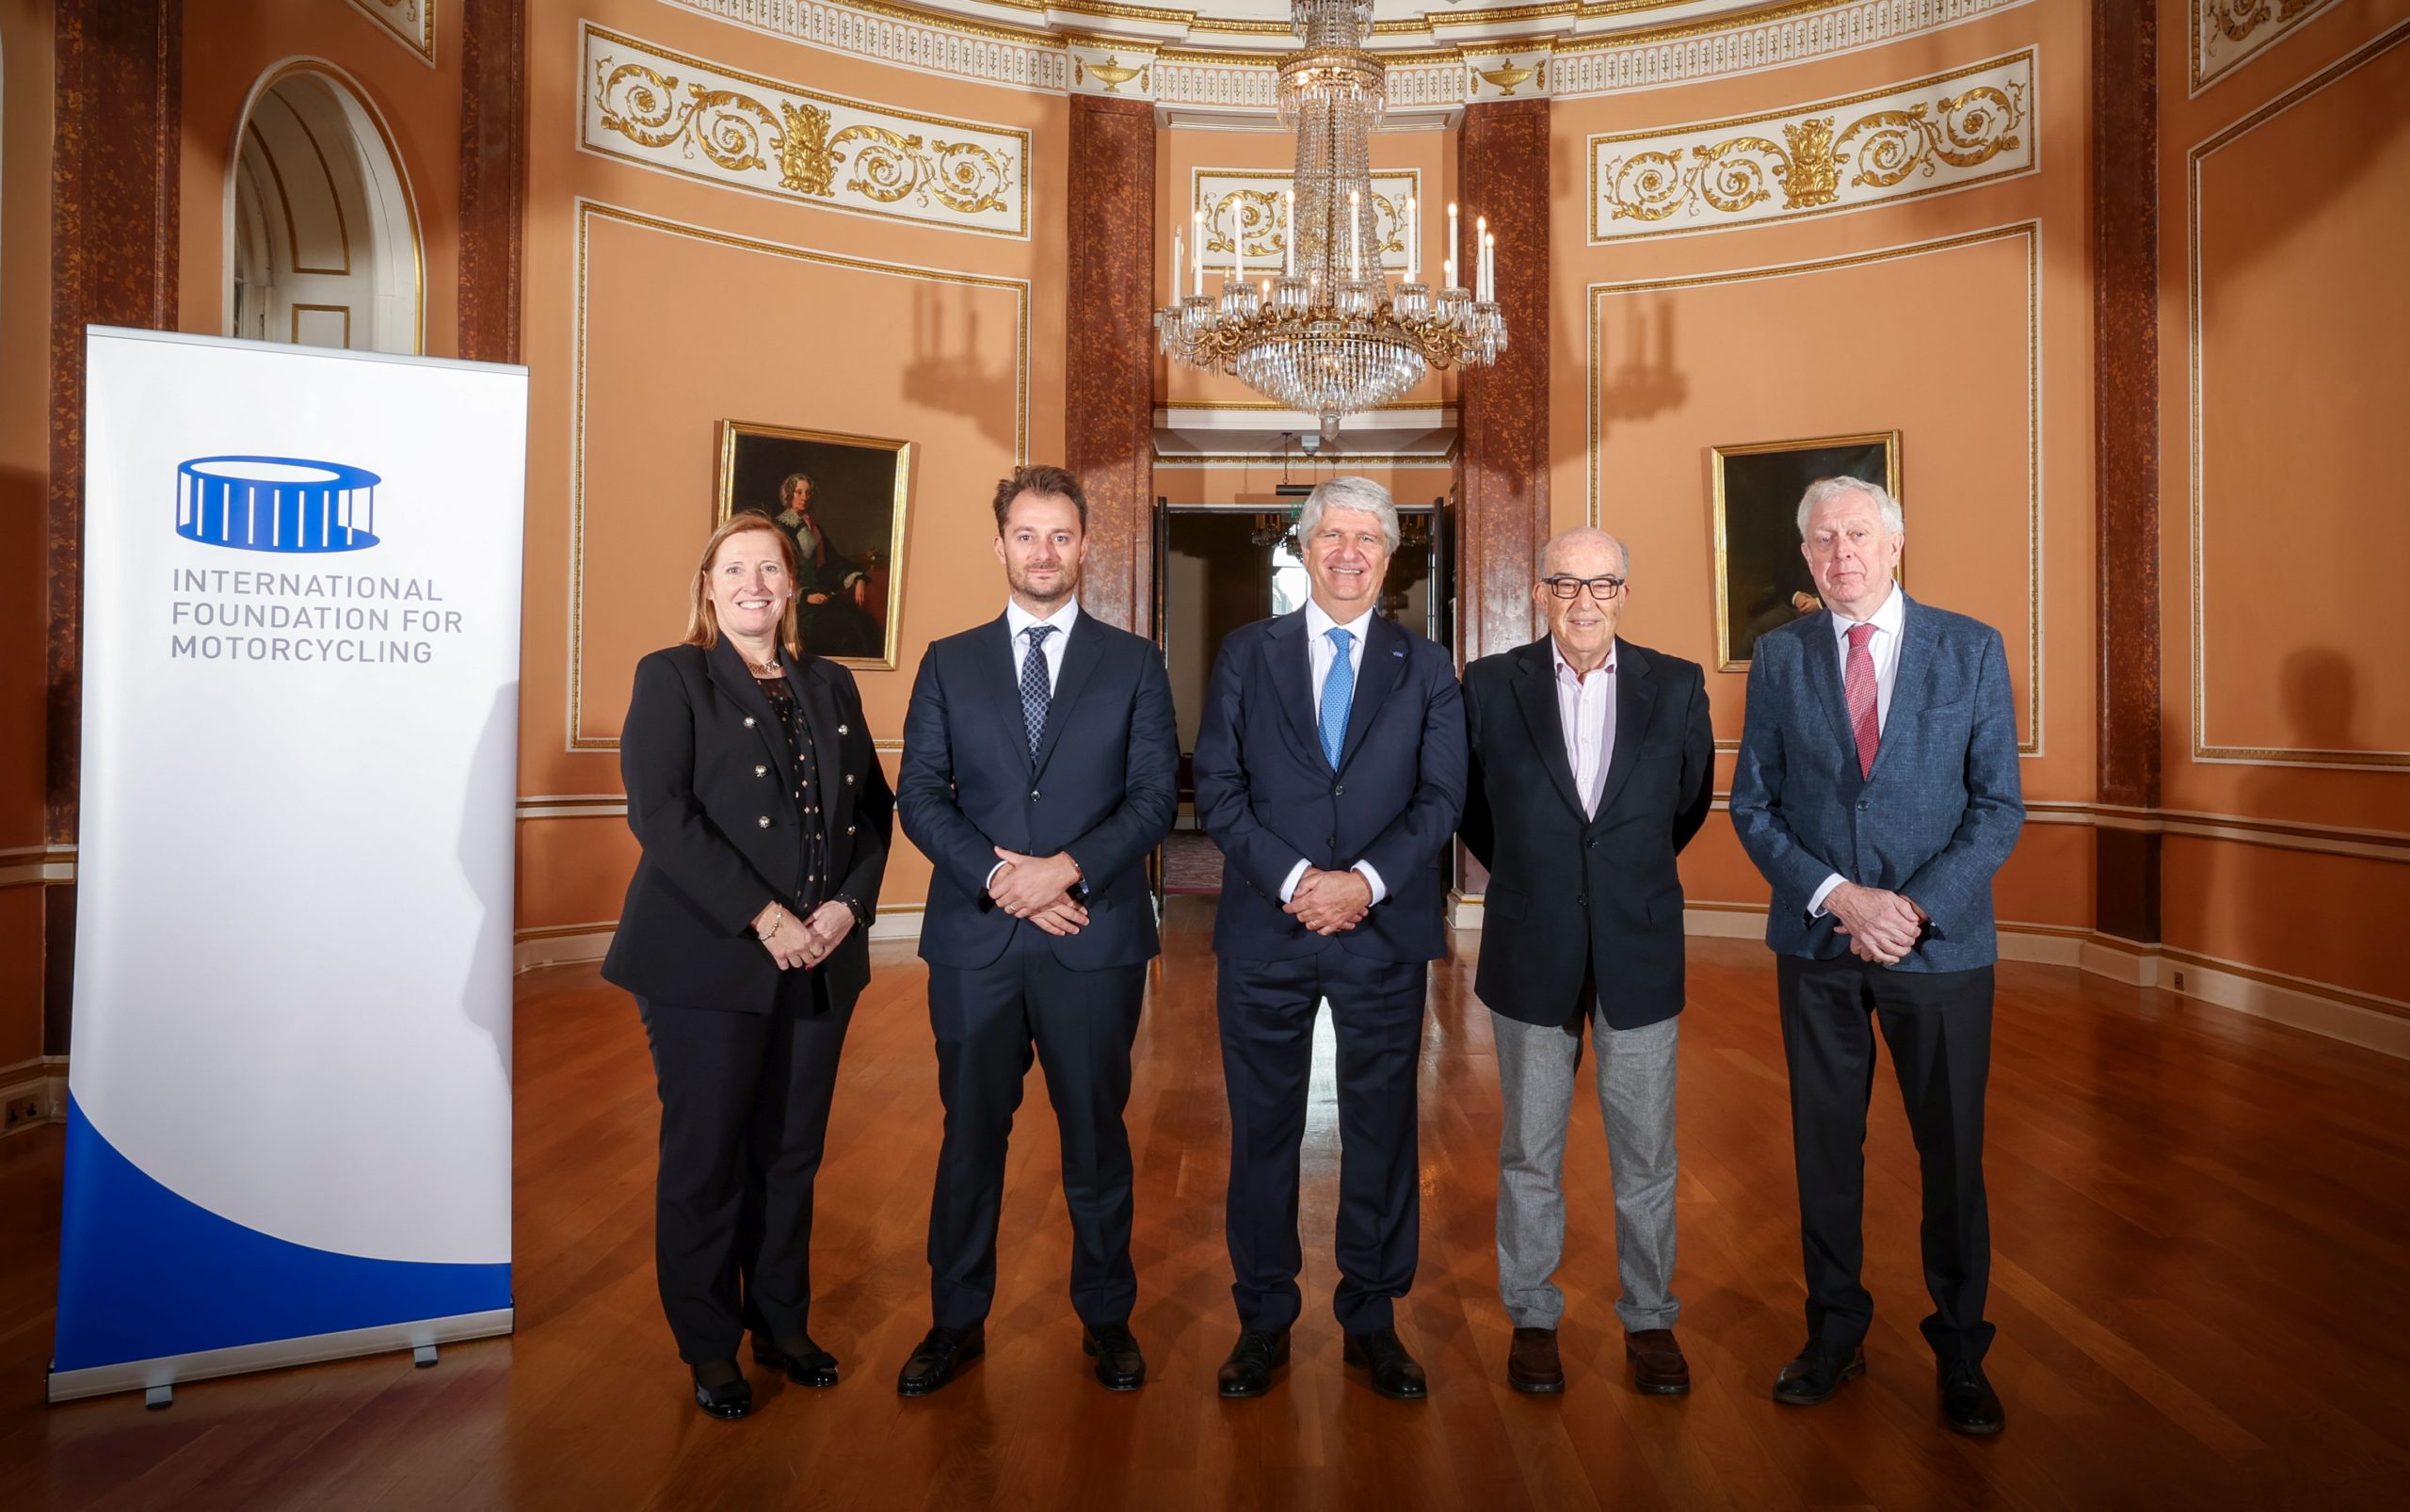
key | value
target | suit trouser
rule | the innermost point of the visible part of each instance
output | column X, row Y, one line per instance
column 1267, row 1012
column 1939, row 1026
column 1081, row 1026
column 743, row 1119
column 1537, row 1067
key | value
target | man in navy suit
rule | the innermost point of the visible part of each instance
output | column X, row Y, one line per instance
column 1040, row 769
column 1331, row 770
column 1877, row 789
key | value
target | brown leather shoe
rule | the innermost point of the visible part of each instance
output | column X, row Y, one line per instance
column 1658, row 1367
column 1532, row 1364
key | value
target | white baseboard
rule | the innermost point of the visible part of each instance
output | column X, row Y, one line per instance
column 42, row 1081
column 902, row 921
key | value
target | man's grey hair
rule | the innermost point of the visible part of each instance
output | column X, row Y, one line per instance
column 1825, row 489
column 1347, row 493
column 1582, row 536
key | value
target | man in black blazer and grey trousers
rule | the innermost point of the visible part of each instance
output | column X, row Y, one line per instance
column 1591, row 763
column 1040, row 768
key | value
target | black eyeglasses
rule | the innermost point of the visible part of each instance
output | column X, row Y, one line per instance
column 1602, row 588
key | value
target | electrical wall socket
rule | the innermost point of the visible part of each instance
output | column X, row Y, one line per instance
column 24, row 1110
column 2179, row 981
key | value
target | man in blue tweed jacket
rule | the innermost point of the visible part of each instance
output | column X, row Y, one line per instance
column 1877, row 789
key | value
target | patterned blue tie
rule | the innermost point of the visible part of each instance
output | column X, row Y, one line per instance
column 1035, row 692
column 1337, row 696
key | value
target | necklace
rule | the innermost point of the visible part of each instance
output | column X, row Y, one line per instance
column 768, row 668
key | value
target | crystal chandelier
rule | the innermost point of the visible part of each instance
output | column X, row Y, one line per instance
column 1327, row 335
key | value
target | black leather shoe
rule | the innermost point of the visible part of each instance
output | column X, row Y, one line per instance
column 805, row 1362
column 939, row 1358
column 1968, row 1400
column 1820, row 1370
column 1256, row 1356
column 1119, row 1364
column 1394, row 1371
column 721, row 1390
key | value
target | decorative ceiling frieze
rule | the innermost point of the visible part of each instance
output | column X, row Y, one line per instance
column 645, row 104
column 2226, row 33
column 1439, row 58
column 1951, row 131
column 411, row 23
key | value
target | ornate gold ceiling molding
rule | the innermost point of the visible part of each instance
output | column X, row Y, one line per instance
column 2227, row 33
column 1932, row 136
column 1248, row 199
column 645, row 104
column 1598, row 46
column 411, row 23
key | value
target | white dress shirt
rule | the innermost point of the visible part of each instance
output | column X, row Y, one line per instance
column 1585, row 711
column 1017, row 621
column 1884, row 647
column 1323, row 652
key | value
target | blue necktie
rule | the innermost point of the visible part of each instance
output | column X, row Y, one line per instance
column 1337, row 696
column 1035, row 692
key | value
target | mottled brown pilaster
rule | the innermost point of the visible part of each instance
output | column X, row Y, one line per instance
column 115, row 126
column 493, row 176
column 1502, row 521
column 2124, row 171
column 1108, row 419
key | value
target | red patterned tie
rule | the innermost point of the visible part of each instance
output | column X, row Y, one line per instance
column 1858, row 687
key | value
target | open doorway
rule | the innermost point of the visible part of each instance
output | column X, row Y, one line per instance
column 1220, row 567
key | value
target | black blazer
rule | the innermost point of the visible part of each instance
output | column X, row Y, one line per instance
column 1104, row 787
column 705, row 766
column 1569, row 894
column 1270, row 799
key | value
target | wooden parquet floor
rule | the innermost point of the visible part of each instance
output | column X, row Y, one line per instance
column 2202, row 1285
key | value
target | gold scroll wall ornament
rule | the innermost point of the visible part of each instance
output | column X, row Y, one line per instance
column 2227, row 32
column 713, row 123
column 1249, row 204
column 1839, row 154
column 410, row 22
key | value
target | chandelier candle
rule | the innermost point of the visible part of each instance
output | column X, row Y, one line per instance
column 1326, row 336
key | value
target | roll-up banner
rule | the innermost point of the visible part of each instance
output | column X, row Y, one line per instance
column 288, row 1129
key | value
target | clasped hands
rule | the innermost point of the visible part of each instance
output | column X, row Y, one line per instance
column 793, row 942
column 1038, row 888
column 1882, row 926
column 1330, row 902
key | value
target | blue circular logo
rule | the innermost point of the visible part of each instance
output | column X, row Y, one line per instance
column 276, row 504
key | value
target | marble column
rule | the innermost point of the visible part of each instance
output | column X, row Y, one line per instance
column 116, row 123
column 493, row 176
column 1502, row 498
column 1108, row 421
column 2125, row 478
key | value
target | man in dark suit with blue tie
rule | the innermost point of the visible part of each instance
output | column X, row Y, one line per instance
column 1040, row 769
column 1331, row 770
column 1877, row 789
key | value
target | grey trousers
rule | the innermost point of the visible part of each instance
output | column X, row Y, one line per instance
column 1536, row 1068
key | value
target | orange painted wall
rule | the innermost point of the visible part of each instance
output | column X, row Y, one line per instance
column 1975, row 345
column 229, row 44
column 25, row 94
column 2287, row 192
column 693, row 303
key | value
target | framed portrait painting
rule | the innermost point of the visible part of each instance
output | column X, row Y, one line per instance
column 1761, row 580
column 841, row 499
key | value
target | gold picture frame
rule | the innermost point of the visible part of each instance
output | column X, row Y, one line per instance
column 862, row 490
column 1759, row 573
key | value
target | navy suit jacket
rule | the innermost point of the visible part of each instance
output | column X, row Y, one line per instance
column 1934, row 820
column 1103, row 787
column 1270, row 799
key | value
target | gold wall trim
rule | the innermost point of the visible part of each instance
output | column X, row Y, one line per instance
column 588, row 212
column 1936, row 135
column 2226, row 34
column 646, row 105
column 34, row 865
column 411, row 23
column 2204, row 748
column 2029, row 232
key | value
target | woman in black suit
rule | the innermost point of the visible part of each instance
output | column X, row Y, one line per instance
column 765, row 819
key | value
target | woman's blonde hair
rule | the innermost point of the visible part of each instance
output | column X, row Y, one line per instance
column 702, row 618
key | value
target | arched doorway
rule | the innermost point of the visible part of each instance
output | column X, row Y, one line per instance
column 324, row 247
